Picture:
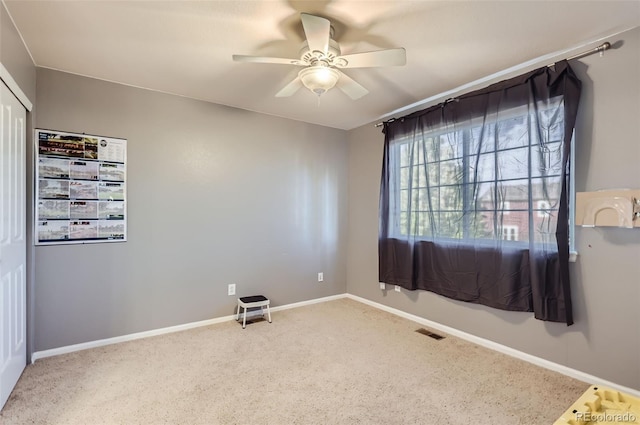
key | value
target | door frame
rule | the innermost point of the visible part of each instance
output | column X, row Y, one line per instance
column 14, row 88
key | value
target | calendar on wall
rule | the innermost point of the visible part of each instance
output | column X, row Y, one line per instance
column 81, row 188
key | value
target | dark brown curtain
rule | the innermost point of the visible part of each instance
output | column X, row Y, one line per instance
column 474, row 195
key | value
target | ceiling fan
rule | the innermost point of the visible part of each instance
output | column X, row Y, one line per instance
column 321, row 58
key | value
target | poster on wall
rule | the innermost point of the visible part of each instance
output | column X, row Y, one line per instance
column 81, row 188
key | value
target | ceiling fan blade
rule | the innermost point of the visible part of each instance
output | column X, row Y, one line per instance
column 350, row 87
column 317, row 30
column 266, row 59
column 290, row 88
column 387, row 57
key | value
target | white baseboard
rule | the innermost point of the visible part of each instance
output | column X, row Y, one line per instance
column 565, row 370
column 309, row 302
column 573, row 373
column 37, row 355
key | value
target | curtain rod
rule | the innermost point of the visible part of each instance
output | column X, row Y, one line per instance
column 600, row 49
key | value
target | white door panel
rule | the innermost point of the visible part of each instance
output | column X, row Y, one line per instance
column 12, row 242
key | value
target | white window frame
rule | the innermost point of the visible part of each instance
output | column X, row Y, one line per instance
column 573, row 253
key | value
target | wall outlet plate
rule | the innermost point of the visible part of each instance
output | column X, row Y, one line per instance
column 320, row 277
column 396, row 288
column 232, row 289
column 383, row 286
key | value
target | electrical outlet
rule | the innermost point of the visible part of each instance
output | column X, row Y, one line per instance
column 383, row 286
column 232, row 289
column 320, row 277
column 396, row 288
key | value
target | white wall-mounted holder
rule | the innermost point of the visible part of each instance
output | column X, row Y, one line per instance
column 613, row 208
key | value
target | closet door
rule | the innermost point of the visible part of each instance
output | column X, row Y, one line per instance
column 13, row 353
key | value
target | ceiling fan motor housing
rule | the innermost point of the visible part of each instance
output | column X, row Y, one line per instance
column 311, row 58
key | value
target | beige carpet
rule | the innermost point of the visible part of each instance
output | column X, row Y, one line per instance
column 339, row 362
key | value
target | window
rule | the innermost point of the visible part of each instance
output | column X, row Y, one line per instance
column 510, row 233
column 473, row 182
column 459, row 194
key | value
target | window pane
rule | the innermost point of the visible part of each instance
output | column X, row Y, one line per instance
column 544, row 228
column 412, row 224
column 507, row 207
column 404, row 220
column 404, row 200
column 516, row 192
column 547, row 189
column 450, row 224
column 543, row 208
column 415, row 170
column 485, row 196
column 415, row 199
column 423, row 200
column 485, row 167
column 433, row 171
column 480, row 224
column 423, row 224
column 450, row 146
column 513, row 132
column 482, row 140
column 404, row 177
column 551, row 123
column 418, row 153
column 421, row 180
column 414, row 175
column 513, row 164
column 546, row 159
column 450, row 198
column 431, row 146
column 451, row 172
column 404, row 154
column 555, row 131
column 434, row 193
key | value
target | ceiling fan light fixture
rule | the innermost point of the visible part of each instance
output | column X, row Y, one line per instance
column 319, row 79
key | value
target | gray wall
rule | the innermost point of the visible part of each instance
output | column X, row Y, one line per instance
column 216, row 195
column 14, row 56
column 605, row 340
column 16, row 59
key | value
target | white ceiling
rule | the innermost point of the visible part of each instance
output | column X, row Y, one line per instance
column 185, row 47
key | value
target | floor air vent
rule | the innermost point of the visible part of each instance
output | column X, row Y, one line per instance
column 423, row 331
